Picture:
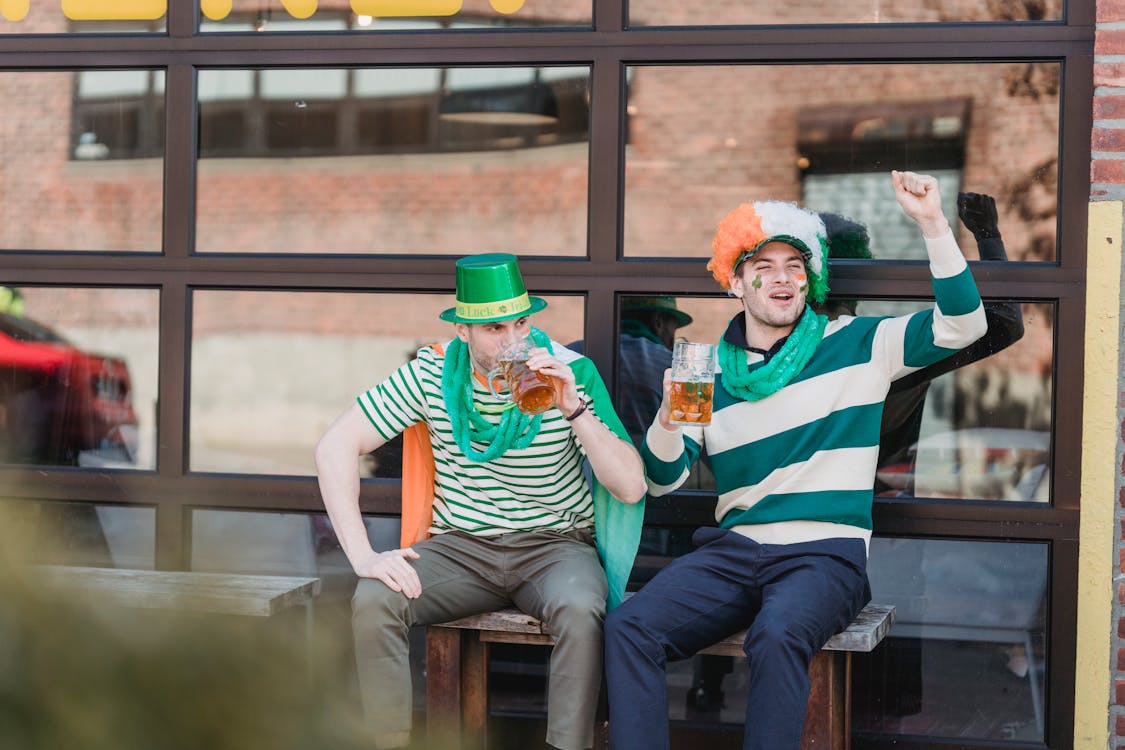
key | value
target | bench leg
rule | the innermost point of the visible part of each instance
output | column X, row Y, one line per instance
column 828, row 721
column 474, row 691
column 456, row 689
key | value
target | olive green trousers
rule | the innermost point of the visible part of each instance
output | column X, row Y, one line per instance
column 552, row 576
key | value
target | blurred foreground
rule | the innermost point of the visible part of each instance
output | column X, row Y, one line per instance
column 78, row 676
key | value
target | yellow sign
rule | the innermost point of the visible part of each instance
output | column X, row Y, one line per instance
column 216, row 10
column 14, row 10
column 114, row 10
column 300, row 8
column 386, row 8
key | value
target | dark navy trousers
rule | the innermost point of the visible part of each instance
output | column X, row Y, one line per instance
column 791, row 597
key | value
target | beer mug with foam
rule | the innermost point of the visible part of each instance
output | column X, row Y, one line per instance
column 533, row 392
column 693, row 381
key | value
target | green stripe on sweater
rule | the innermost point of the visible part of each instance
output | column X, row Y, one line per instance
column 748, row 464
column 957, row 295
column 850, row 507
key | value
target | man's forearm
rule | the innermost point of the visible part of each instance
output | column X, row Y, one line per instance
column 962, row 319
column 338, row 476
column 615, row 462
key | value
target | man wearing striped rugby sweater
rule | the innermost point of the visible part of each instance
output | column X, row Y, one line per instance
column 793, row 444
column 497, row 510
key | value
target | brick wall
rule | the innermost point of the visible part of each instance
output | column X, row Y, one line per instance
column 1107, row 178
column 1107, row 166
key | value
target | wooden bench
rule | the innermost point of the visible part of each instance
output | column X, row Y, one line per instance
column 182, row 591
column 457, row 674
column 213, row 593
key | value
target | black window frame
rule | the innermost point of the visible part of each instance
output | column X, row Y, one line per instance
column 609, row 46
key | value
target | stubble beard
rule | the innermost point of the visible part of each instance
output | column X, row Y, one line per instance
column 774, row 318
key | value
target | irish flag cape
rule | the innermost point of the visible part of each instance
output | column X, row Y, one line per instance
column 617, row 525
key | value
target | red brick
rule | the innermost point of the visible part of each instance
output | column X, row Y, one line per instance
column 1109, row 42
column 1110, row 11
column 1108, row 140
column 1107, row 170
column 1109, row 107
column 1109, row 74
column 1119, row 692
column 1121, row 726
column 1121, row 660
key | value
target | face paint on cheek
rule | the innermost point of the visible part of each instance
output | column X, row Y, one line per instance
column 804, row 281
column 757, row 282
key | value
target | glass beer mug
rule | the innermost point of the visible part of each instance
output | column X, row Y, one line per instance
column 693, row 382
column 533, row 392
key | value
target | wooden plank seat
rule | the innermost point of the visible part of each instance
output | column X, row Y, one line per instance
column 211, row 593
column 457, row 673
column 254, row 596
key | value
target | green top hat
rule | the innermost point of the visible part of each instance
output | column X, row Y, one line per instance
column 490, row 287
column 656, row 304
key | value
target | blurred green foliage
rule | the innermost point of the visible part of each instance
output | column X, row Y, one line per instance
column 78, row 676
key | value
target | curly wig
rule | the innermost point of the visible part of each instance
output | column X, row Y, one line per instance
column 747, row 228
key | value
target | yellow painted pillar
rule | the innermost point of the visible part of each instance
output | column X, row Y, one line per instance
column 1096, row 565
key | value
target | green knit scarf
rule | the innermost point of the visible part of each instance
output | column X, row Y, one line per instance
column 753, row 385
column 514, row 430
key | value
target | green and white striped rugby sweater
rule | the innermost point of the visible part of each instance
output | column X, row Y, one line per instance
column 799, row 465
column 536, row 488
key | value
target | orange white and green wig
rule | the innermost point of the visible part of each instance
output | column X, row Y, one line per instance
column 748, row 228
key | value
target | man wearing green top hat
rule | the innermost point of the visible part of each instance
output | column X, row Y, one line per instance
column 510, row 516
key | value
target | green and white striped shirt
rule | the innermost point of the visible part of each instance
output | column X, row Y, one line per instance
column 799, row 465
column 539, row 487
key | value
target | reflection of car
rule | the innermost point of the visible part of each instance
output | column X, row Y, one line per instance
column 59, row 403
column 983, row 463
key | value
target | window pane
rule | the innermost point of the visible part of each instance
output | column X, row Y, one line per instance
column 788, row 133
column 382, row 16
column 976, row 426
column 85, row 534
column 382, row 160
column 63, row 140
column 966, row 657
column 669, row 13
column 304, row 544
column 271, row 370
column 78, row 376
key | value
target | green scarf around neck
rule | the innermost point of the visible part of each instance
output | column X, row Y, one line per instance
column 514, row 430
column 753, row 385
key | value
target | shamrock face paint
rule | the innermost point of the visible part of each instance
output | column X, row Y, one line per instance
column 757, row 282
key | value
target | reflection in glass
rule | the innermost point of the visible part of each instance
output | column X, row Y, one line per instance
column 404, row 160
column 382, row 16
column 78, row 376
column 826, row 136
column 976, row 426
column 669, row 13
column 271, row 370
column 65, row 188
column 967, row 655
column 44, row 17
column 85, row 534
